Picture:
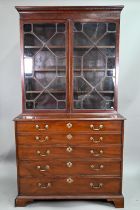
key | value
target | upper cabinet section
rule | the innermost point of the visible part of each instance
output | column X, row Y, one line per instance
column 70, row 58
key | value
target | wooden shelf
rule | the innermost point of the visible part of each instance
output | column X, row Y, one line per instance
column 33, row 91
column 75, row 70
column 105, row 91
column 56, row 91
column 38, row 47
column 63, row 47
column 100, row 91
column 51, row 91
column 48, row 70
column 92, row 46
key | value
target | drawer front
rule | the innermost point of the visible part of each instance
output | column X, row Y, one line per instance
column 69, row 138
column 69, row 167
column 44, row 153
column 69, row 186
column 68, row 126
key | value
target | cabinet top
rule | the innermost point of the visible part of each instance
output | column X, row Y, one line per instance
column 96, row 116
column 68, row 8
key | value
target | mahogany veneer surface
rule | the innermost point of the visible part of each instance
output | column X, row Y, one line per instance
column 69, row 153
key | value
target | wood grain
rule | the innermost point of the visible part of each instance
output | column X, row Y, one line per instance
column 61, row 126
column 69, row 138
column 31, row 153
column 79, row 186
column 70, row 167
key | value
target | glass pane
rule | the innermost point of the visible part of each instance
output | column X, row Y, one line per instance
column 45, row 65
column 94, row 48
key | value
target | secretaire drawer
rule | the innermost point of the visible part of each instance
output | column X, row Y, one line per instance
column 68, row 126
column 69, row 167
column 68, row 138
column 44, row 153
column 69, row 186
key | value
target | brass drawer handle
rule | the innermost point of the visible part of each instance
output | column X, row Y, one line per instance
column 69, row 125
column 96, row 186
column 96, row 141
column 96, row 167
column 44, row 186
column 96, row 153
column 70, row 180
column 69, row 149
column 69, row 164
column 43, row 140
column 69, row 136
column 96, row 129
column 43, row 155
column 41, row 129
column 45, row 168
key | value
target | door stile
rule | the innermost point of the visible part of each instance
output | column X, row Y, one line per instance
column 70, row 66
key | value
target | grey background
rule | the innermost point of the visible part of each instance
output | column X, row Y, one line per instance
column 129, row 99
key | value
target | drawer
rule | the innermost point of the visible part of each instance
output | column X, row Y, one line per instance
column 69, row 186
column 44, row 153
column 68, row 138
column 69, row 167
column 68, row 126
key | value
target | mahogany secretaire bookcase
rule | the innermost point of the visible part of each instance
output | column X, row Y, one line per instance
column 69, row 137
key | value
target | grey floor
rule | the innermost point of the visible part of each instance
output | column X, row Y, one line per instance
column 8, row 192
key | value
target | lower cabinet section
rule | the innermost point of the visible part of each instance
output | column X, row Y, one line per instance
column 70, row 185
column 83, row 161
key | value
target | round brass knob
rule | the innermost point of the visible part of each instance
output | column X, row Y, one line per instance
column 69, row 125
column 69, row 180
column 69, row 164
column 69, row 149
column 69, row 136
